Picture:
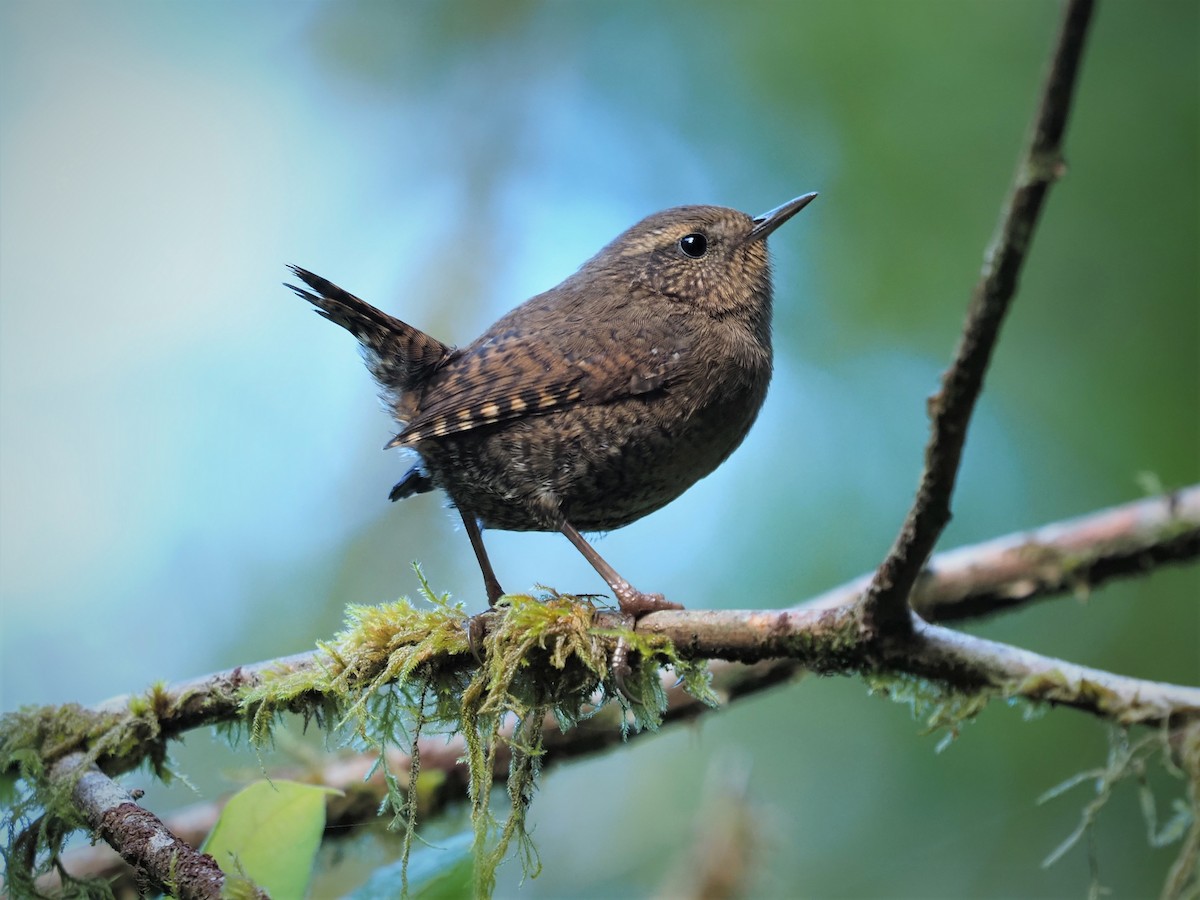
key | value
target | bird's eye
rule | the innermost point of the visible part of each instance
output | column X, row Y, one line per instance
column 694, row 245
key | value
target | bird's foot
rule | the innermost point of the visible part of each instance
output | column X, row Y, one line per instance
column 634, row 603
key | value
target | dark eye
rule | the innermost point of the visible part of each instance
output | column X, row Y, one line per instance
column 694, row 245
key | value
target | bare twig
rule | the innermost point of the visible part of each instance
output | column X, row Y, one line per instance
column 360, row 788
column 885, row 609
column 1075, row 556
column 162, row 861
column 952, row 657
column 955, row 660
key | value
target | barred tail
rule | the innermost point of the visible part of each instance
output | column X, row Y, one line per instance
column 398, row 355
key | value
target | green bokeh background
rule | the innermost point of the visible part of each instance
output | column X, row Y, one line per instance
column 189, row 462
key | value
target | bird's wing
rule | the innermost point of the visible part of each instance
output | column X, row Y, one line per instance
column 518, row 373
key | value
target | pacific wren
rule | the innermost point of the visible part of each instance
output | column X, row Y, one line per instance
column 595, row 403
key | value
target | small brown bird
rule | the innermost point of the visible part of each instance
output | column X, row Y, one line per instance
column 595, row 403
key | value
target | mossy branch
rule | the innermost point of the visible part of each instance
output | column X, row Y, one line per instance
column 126, row 731
column 1072, row 558
column 540, row 698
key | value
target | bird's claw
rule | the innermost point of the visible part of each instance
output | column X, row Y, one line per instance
column 475, row 633
column 621, row 671
column 635, row 603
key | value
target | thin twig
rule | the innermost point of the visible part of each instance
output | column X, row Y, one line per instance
column 885, row 610
column 163, row 862
column 948, row 656
column 955, row 660
column 1071, row 557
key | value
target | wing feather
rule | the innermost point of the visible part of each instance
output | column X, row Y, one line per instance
column 516, row 374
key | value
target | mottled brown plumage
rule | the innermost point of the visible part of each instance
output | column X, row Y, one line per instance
column 597, row 402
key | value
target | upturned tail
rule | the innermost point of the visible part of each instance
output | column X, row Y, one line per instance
column 399, row 356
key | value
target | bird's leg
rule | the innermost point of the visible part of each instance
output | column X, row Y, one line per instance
column 632, row 601
column 490, row 583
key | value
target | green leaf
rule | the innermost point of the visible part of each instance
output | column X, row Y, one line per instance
column 269, row 832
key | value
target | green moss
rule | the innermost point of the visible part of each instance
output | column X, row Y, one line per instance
column 400, row 672
column 939, row 707
column 1178, row 753
column 831, row 649
column 1177, row 750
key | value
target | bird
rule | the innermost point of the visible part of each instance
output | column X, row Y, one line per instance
column 594, row 403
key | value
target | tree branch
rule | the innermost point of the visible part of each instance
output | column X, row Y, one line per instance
column 363, row 787
column 1074, row 556
column 994, row 576
column 820, row 634
column 884, row 606
column 164, row 862
column 955, row 660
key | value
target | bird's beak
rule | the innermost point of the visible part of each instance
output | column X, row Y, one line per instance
column 769, row 221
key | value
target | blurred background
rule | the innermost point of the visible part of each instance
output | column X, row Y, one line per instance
column 190, row 464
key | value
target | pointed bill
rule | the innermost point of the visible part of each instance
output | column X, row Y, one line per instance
column 769, row 221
